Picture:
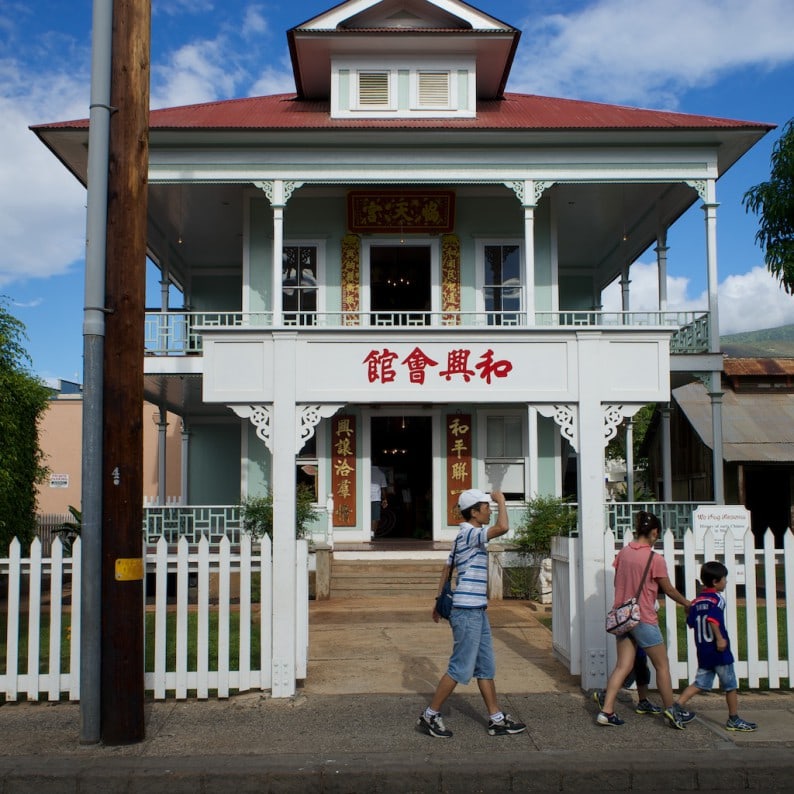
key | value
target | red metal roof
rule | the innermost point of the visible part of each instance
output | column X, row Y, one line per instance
column 514, row 112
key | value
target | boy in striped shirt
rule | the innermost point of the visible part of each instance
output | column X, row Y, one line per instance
column 472, row 652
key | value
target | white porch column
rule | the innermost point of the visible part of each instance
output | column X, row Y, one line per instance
column 282, row 431
column 184, row 468
column 278, row 192
column 162, row 430
column 625, row 295
column 529, row 205
column 629, row 460
column 667, row 456
column 715, row 393
column 592, row 606
column 710, row 209
column 661, row 267
column 278, row 248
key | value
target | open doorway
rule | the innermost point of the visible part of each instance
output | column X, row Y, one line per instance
column 400, row 284
column 402, row 449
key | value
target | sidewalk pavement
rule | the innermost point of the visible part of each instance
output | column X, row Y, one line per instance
column 351, row 727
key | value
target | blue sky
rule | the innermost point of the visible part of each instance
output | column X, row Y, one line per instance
column 726, row 58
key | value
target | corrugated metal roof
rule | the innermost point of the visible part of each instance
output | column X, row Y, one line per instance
column 758, row 367
column 757, row 428
column 514, row 112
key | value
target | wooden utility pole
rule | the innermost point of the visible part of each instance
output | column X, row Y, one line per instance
column 122, row 687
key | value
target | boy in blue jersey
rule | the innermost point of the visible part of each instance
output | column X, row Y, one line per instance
column 472, row 652
column 707, row 618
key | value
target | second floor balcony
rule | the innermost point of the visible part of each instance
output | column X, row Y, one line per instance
column 179, row 332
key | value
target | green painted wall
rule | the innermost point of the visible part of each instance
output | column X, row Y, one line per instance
column 547, row 462
column 213, row 465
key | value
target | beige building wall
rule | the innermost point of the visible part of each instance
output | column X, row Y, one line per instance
column 60, row 438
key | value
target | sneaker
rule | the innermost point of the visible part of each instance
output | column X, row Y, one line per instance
column 609, row 719
column 684, row 715
column 738, row 724
column 673, row 716
column 507, row 726
column 598, row 697
column 433, row 727
column 645, row 706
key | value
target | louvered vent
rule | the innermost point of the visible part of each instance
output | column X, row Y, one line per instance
column 433, row 89
column 373, row 88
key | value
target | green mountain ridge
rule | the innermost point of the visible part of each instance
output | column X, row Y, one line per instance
column 766, row 343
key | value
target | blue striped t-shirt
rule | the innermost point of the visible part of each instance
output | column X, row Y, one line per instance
column 471, row 567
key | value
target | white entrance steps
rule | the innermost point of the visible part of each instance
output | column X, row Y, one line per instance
column 384, row 574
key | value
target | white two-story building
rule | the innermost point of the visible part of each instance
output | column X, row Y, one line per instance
column 401, row 264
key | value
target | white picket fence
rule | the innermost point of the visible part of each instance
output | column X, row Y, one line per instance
column 45, row 593
column 767, row 589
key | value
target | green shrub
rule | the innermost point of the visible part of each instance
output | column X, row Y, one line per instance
column 544, row 518
column 256, row 513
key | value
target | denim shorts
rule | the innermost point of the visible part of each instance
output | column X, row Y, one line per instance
column 704, row 679
column 646, row 635
column 375, row 511
column 472, row 652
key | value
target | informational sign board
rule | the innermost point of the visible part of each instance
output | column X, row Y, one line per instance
column 726, row 523
column 59, row 480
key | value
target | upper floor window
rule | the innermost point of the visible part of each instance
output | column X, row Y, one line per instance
column 502, row 285
column 373, row 90
column 299, row 279
column 434, row 87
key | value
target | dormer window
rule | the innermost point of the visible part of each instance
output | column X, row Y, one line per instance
column 373, row 90
column 401, row 89
column 433, row 90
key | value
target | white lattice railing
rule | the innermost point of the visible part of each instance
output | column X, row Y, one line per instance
column 179, row 332
column 216, row 586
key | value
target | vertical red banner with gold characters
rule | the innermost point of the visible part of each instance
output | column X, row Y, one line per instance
column 458, row 462
column 343, row 470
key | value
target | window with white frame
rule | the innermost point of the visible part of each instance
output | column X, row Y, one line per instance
column 434, row 87
column 374, row 89
column 299, row 280
column 505, row 453
column 502, row 283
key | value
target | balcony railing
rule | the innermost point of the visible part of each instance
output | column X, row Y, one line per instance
column 215, row 521
column 175, row 333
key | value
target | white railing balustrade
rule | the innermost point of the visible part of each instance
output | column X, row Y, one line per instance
column 179, row 332
column 222, row 591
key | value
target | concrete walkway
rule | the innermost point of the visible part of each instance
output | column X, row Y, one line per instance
column 351, row 727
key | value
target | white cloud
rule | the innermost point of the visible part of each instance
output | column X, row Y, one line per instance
column 648, row 53
column 740, row 297
column 200, row 71
column 274, row 81
column 42, row 206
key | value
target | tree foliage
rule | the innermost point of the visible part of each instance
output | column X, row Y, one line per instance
column 774, row 202
column 23, row 400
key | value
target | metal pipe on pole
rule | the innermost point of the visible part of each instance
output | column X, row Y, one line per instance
column 93, row 352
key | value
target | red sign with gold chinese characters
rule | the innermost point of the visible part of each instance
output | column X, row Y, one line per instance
column 401, row 211
column 458, row 463
column 343, row 473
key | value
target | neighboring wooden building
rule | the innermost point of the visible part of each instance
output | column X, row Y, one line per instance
column 757, row 441
column 60, row 438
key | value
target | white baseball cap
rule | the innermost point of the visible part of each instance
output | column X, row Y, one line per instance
column 472, row 497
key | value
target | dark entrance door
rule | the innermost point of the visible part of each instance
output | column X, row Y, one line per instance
column 402, row 447
column 400, row 284
column 768, row 498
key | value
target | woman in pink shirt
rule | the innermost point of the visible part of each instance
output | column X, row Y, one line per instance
column 629, row 567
